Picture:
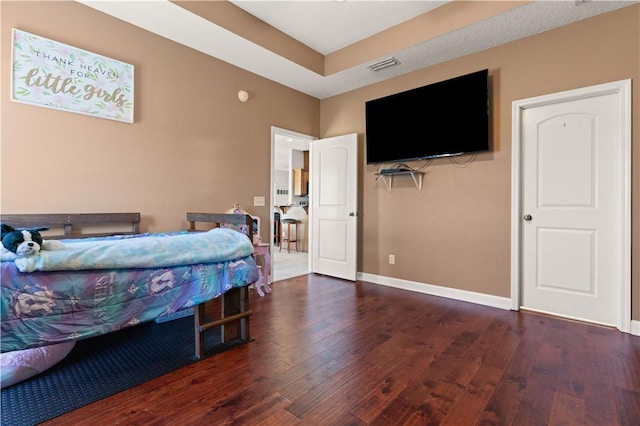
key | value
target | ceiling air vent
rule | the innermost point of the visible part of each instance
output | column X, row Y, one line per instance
column 385, row 63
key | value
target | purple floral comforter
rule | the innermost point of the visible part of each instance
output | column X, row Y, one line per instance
column 44, row 308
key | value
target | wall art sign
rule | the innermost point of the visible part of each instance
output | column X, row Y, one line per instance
column 54, row 75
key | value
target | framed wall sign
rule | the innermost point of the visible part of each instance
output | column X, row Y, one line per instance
column 55, row 75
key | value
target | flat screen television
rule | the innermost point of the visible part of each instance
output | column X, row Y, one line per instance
column 442, row 119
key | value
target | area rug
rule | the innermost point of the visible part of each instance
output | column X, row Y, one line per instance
column 102, row 366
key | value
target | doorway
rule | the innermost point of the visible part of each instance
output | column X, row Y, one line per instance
column 571, row 213
column 289, row 199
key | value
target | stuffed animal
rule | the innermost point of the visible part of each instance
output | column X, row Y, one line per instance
column 24, row 242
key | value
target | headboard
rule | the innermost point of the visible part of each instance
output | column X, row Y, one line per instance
column 69, row 225
column 221, row 219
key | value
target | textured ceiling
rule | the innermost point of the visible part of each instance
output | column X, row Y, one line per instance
column 328, row 25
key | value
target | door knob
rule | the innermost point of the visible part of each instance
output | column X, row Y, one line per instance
column 527, row 217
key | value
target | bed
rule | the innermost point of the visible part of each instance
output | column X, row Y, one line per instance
column 109, row 276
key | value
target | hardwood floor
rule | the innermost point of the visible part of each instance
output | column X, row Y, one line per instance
column 330, row 352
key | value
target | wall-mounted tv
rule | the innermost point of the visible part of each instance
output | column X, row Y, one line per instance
column 443, row 119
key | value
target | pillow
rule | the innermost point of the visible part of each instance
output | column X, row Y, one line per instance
column 17, row 366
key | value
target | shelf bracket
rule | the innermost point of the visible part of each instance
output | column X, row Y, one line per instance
column 388, row 181
column 418, row 181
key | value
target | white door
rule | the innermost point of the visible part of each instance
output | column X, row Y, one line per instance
column 574, row 172
column 334, row 197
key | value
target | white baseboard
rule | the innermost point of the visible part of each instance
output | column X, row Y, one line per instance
column 434, row 290
column 452, row 293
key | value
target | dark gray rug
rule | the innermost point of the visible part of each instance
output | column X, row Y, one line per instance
column 102, row 366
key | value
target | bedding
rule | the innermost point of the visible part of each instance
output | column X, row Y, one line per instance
column 141, row 251
column 99, row 285
column 17, row 366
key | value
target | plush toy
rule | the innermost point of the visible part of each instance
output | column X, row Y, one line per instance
column 24, row 242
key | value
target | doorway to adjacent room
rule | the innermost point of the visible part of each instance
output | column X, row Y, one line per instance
column 289, row 199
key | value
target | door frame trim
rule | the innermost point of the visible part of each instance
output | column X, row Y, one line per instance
column 272, row 184
column 622, row 89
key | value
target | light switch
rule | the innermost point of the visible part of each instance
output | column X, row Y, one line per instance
column 258, row 201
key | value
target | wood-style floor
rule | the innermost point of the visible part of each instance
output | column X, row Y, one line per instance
column 330, row 352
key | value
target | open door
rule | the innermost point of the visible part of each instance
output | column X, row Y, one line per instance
column 334, row 201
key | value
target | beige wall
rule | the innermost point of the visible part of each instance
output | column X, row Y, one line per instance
column 456, row 232
column 193, row 147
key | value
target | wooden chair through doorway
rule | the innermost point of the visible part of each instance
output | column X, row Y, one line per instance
column 286, row 237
